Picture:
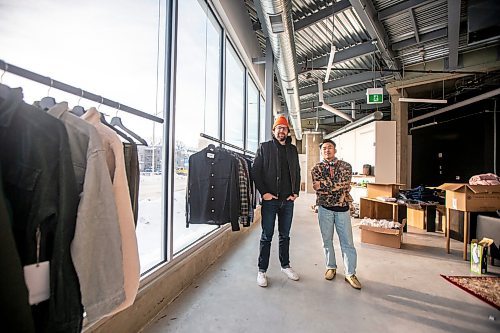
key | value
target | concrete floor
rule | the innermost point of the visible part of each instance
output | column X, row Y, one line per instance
column 402, row 289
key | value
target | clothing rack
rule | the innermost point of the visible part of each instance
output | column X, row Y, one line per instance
column 75, row 91
column 211, row 138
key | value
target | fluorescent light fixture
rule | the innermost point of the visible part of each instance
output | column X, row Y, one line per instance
column 327, row 107
column 422, row 100
column 377, row 115
column 424, row 125
column 333, row 49
column 277, row 25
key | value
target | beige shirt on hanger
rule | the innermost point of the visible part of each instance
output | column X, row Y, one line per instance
column 97, row 243
column 114, row 148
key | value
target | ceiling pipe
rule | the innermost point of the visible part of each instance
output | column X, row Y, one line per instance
column 327, row 107
column 422, row 100
column 457, row 105
column 377, row 115
column 278, row 20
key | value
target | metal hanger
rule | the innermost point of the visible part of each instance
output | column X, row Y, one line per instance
column 117, row 122
column 4, row 71
column 47, row 102
column 78, row 110
column 116, row 130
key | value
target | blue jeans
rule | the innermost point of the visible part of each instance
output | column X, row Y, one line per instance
column 269, row 210
column 342, row 222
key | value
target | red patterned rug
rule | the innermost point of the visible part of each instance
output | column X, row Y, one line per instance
column 486, row 288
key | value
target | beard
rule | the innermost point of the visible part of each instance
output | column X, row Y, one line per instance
column 281, row 137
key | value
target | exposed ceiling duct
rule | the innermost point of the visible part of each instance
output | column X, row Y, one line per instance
column 278, row 19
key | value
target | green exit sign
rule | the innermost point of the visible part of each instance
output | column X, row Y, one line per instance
column 374, row 95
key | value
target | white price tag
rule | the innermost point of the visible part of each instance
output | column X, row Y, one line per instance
column 210, row 155
column 37, row 278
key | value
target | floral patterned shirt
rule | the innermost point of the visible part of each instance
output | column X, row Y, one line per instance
column 335, row 183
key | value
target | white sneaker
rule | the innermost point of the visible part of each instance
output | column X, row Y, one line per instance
column 290, row 273
column 262, row 279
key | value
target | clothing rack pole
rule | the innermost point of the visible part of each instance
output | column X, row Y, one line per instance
column 73, row 90
column 211, row 138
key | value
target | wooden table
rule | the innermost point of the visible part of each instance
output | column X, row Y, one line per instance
column 466, row 229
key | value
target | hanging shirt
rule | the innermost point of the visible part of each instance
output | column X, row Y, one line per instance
column 130, row 259
column 213, row 194
column 97, row 233
column 133, row 175
column 243, row 187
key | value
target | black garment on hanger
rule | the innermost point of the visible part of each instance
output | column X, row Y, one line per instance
column 40, row 185
column 15, row 311
column 133, row 175
column 213, row 194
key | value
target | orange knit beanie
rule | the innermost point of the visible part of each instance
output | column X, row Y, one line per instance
column 281, row 120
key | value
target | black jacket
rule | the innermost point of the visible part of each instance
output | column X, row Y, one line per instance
column 40, row 185
column 266, row 167
column 15, row 312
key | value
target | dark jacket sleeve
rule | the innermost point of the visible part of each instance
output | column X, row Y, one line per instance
column 296, row 189
column 258, row 170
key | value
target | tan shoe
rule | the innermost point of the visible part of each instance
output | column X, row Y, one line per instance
column 330, row 273
column 353, row 281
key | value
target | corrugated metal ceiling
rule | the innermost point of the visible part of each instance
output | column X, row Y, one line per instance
column 397, row 19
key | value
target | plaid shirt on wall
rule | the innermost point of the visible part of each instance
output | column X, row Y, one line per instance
column 243, row 187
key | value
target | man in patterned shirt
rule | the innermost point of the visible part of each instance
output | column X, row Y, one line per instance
column 332, row 183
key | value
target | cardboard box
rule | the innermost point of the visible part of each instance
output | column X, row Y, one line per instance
column 382, row 190
column 479, row 255
column 472, row 198
column 416, row 217
column 422, row 216
column 382, row 236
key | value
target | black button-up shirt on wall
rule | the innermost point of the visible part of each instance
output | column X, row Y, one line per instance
column 213, row 192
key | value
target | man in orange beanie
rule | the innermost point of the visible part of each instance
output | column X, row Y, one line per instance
column 276, row 173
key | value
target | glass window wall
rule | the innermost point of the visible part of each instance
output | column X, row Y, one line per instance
column 197, row 107
column 110, row 48
column 252, row 116
column 234, row 118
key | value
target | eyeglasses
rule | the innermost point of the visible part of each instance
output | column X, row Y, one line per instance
column 281, row 128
